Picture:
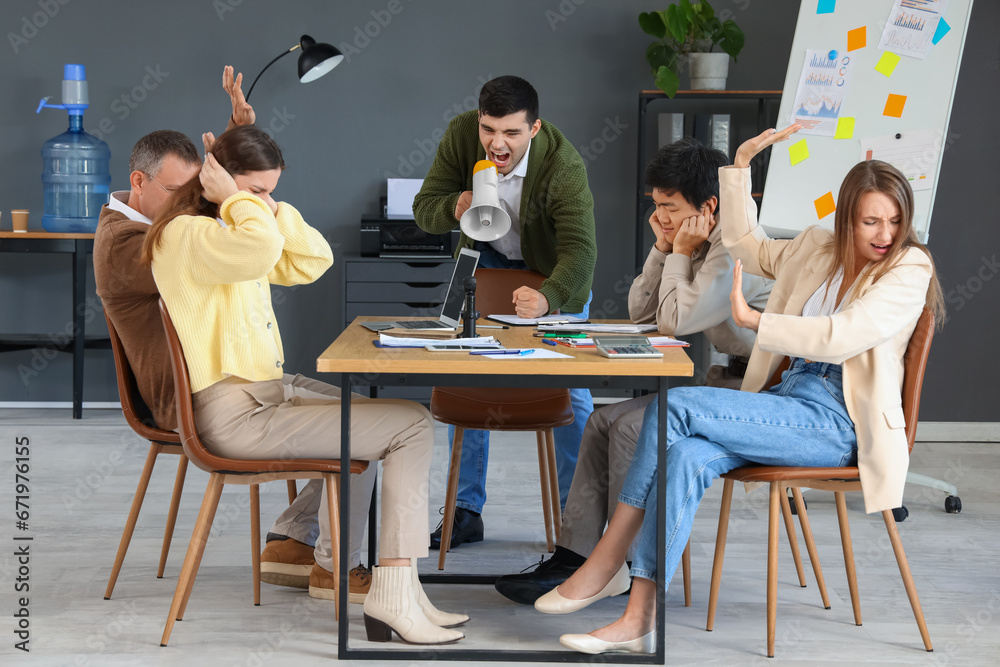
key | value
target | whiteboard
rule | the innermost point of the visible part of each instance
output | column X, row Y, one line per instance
column 790, row 191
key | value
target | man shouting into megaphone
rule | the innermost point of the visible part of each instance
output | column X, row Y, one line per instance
column 541, row 184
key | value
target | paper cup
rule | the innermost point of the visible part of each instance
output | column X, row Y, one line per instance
column 20, row 219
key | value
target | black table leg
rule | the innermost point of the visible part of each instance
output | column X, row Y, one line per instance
column 345, row 513
column 79, row 309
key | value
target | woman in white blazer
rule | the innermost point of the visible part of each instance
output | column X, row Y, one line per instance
column 843, row 307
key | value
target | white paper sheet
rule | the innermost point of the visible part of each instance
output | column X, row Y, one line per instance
column 821, row 92
column 913, row 152
column 909, row 29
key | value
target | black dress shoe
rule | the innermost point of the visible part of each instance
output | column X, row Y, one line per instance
column 527, row 587
column 468, row 528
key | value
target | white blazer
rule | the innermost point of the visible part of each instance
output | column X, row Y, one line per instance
column 868, row 337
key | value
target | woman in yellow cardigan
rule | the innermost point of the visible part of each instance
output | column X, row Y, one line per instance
column 843, row 307
column 215, row 249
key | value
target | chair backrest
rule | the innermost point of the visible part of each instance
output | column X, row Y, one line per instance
column 494, row 288
column 137, row 413
column 914, row 364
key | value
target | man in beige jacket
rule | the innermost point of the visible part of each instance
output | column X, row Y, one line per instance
column 683, row 289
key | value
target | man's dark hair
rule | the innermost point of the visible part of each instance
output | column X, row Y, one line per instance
column 148, row 152
column 505, row 95
column 689, row 168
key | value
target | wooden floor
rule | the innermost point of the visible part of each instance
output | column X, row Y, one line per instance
column 83, row 474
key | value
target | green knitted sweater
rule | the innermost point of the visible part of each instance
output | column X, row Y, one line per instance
column 557, row 208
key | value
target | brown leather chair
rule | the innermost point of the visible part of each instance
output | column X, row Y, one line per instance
column 140, row 418
column 838, row 480
column 236, row 471
column 488, row 409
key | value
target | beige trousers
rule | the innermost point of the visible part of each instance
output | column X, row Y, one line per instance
column 290, row 419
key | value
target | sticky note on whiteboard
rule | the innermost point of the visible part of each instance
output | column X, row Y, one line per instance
column 798, row 151
column 887, row 63
column 894, row 105
column 845, row 128
column 857, row 38
column 824, row 205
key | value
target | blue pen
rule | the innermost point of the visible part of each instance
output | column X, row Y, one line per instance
column 528, row 351
column 520, row 352
column 549, row 341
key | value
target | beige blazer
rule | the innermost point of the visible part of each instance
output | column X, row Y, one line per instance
column 868, row 337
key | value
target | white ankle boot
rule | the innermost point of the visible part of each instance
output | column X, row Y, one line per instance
column 433, row 614
column 392, row 605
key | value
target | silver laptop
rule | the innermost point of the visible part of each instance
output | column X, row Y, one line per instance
column 451, row 309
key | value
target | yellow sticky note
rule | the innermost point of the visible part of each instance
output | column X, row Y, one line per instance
column 887, row 63
column 824, row 205
column 845, row 128
column 798, row 151
column 857, row 38
column 894, row 105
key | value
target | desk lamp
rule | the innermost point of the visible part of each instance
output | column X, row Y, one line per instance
column 316, row 60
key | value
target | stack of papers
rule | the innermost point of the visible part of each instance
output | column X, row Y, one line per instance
column 387, row 340
column 655, row 341
column 600, row 328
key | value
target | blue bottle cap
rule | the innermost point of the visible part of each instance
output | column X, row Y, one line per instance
column 74, row 73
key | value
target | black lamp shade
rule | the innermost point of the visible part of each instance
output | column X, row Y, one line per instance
column 317, row 59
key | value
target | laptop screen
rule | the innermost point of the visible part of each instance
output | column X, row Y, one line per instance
column 451, row 311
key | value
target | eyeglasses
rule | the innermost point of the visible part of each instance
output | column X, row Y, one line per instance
column 167, row 190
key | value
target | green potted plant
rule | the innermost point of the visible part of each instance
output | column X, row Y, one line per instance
column 690, row 31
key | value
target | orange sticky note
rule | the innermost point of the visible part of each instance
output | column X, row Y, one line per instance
column 887, row 63
column 894, row 105
column 825, row 206
column 857, row 38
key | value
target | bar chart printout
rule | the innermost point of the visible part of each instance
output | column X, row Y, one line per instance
column 910, row 26
column 821, row 93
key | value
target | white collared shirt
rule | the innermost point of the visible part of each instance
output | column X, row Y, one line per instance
column 509, row 189
column 118, row 202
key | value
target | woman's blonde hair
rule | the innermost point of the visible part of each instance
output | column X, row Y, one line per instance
column 878, row 176
column 239, row 151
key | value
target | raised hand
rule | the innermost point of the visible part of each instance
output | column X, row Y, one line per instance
column 749, row 148
column 743, row 314
column 243, row 113
column 692, row 233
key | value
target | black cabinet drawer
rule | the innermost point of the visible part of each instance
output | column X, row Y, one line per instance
column 408, row 310
column 401, row 271
column 408, row 292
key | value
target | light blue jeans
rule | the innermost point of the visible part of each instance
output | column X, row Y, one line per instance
column 801, row 421
column 476, row 444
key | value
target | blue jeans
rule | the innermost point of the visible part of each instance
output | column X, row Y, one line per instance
column 801, row 421
column 475, row 444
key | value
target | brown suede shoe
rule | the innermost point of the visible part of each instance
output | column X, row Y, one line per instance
column 286, row 563
column 321, row 584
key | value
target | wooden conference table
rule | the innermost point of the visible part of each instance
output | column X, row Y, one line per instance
column 360, row 363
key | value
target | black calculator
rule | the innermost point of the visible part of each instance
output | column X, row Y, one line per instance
column 626, row 347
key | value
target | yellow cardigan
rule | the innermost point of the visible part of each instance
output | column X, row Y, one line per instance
column 216, row 282
column 868, row 337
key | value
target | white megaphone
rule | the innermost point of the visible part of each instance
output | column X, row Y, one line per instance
column 485, row 220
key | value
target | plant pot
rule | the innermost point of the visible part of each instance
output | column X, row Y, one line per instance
column 708, row 70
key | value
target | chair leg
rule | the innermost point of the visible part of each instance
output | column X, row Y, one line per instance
column 904, row 571
column 720, row 552
column 686, row 572
column 807, row 536
column 133, row 516
column 333, row 503
column 451, row 495
column 175, row 503
column 793, row 541
column 255, row 540
column 543, row 479
column 196, row 548
column 845, row 539
column 772, row 565
column 293, row 491
column 550, row 444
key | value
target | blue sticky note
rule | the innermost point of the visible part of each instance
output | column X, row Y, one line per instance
column 826, row 6
column 942, row 30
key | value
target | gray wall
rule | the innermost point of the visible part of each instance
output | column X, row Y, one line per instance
column 382, row 112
